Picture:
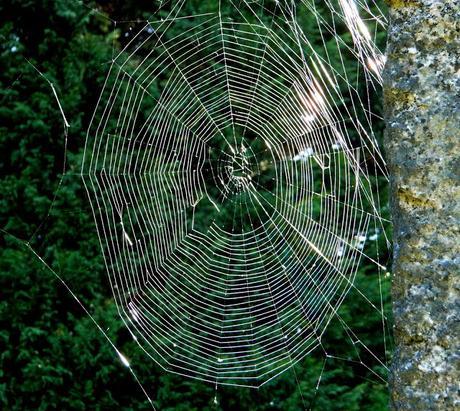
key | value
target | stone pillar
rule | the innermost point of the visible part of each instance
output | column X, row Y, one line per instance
column 422, row 145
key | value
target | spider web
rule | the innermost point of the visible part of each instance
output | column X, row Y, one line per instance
column 231, row 172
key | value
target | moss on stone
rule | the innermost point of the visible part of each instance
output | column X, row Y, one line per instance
column 395, row 4
column 413, row 200
column 394, row 96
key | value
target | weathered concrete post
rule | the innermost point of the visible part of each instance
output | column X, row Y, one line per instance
column 422, row 144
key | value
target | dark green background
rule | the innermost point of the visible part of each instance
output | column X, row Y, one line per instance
column 51, row 354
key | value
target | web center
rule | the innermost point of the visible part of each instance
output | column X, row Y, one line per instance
column 239, row 168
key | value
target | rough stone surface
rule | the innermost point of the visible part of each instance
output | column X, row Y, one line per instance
column 422, row 112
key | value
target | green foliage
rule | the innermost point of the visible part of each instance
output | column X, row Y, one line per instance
column 51, row 354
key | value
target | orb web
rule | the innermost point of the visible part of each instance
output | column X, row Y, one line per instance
column 227, row 169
